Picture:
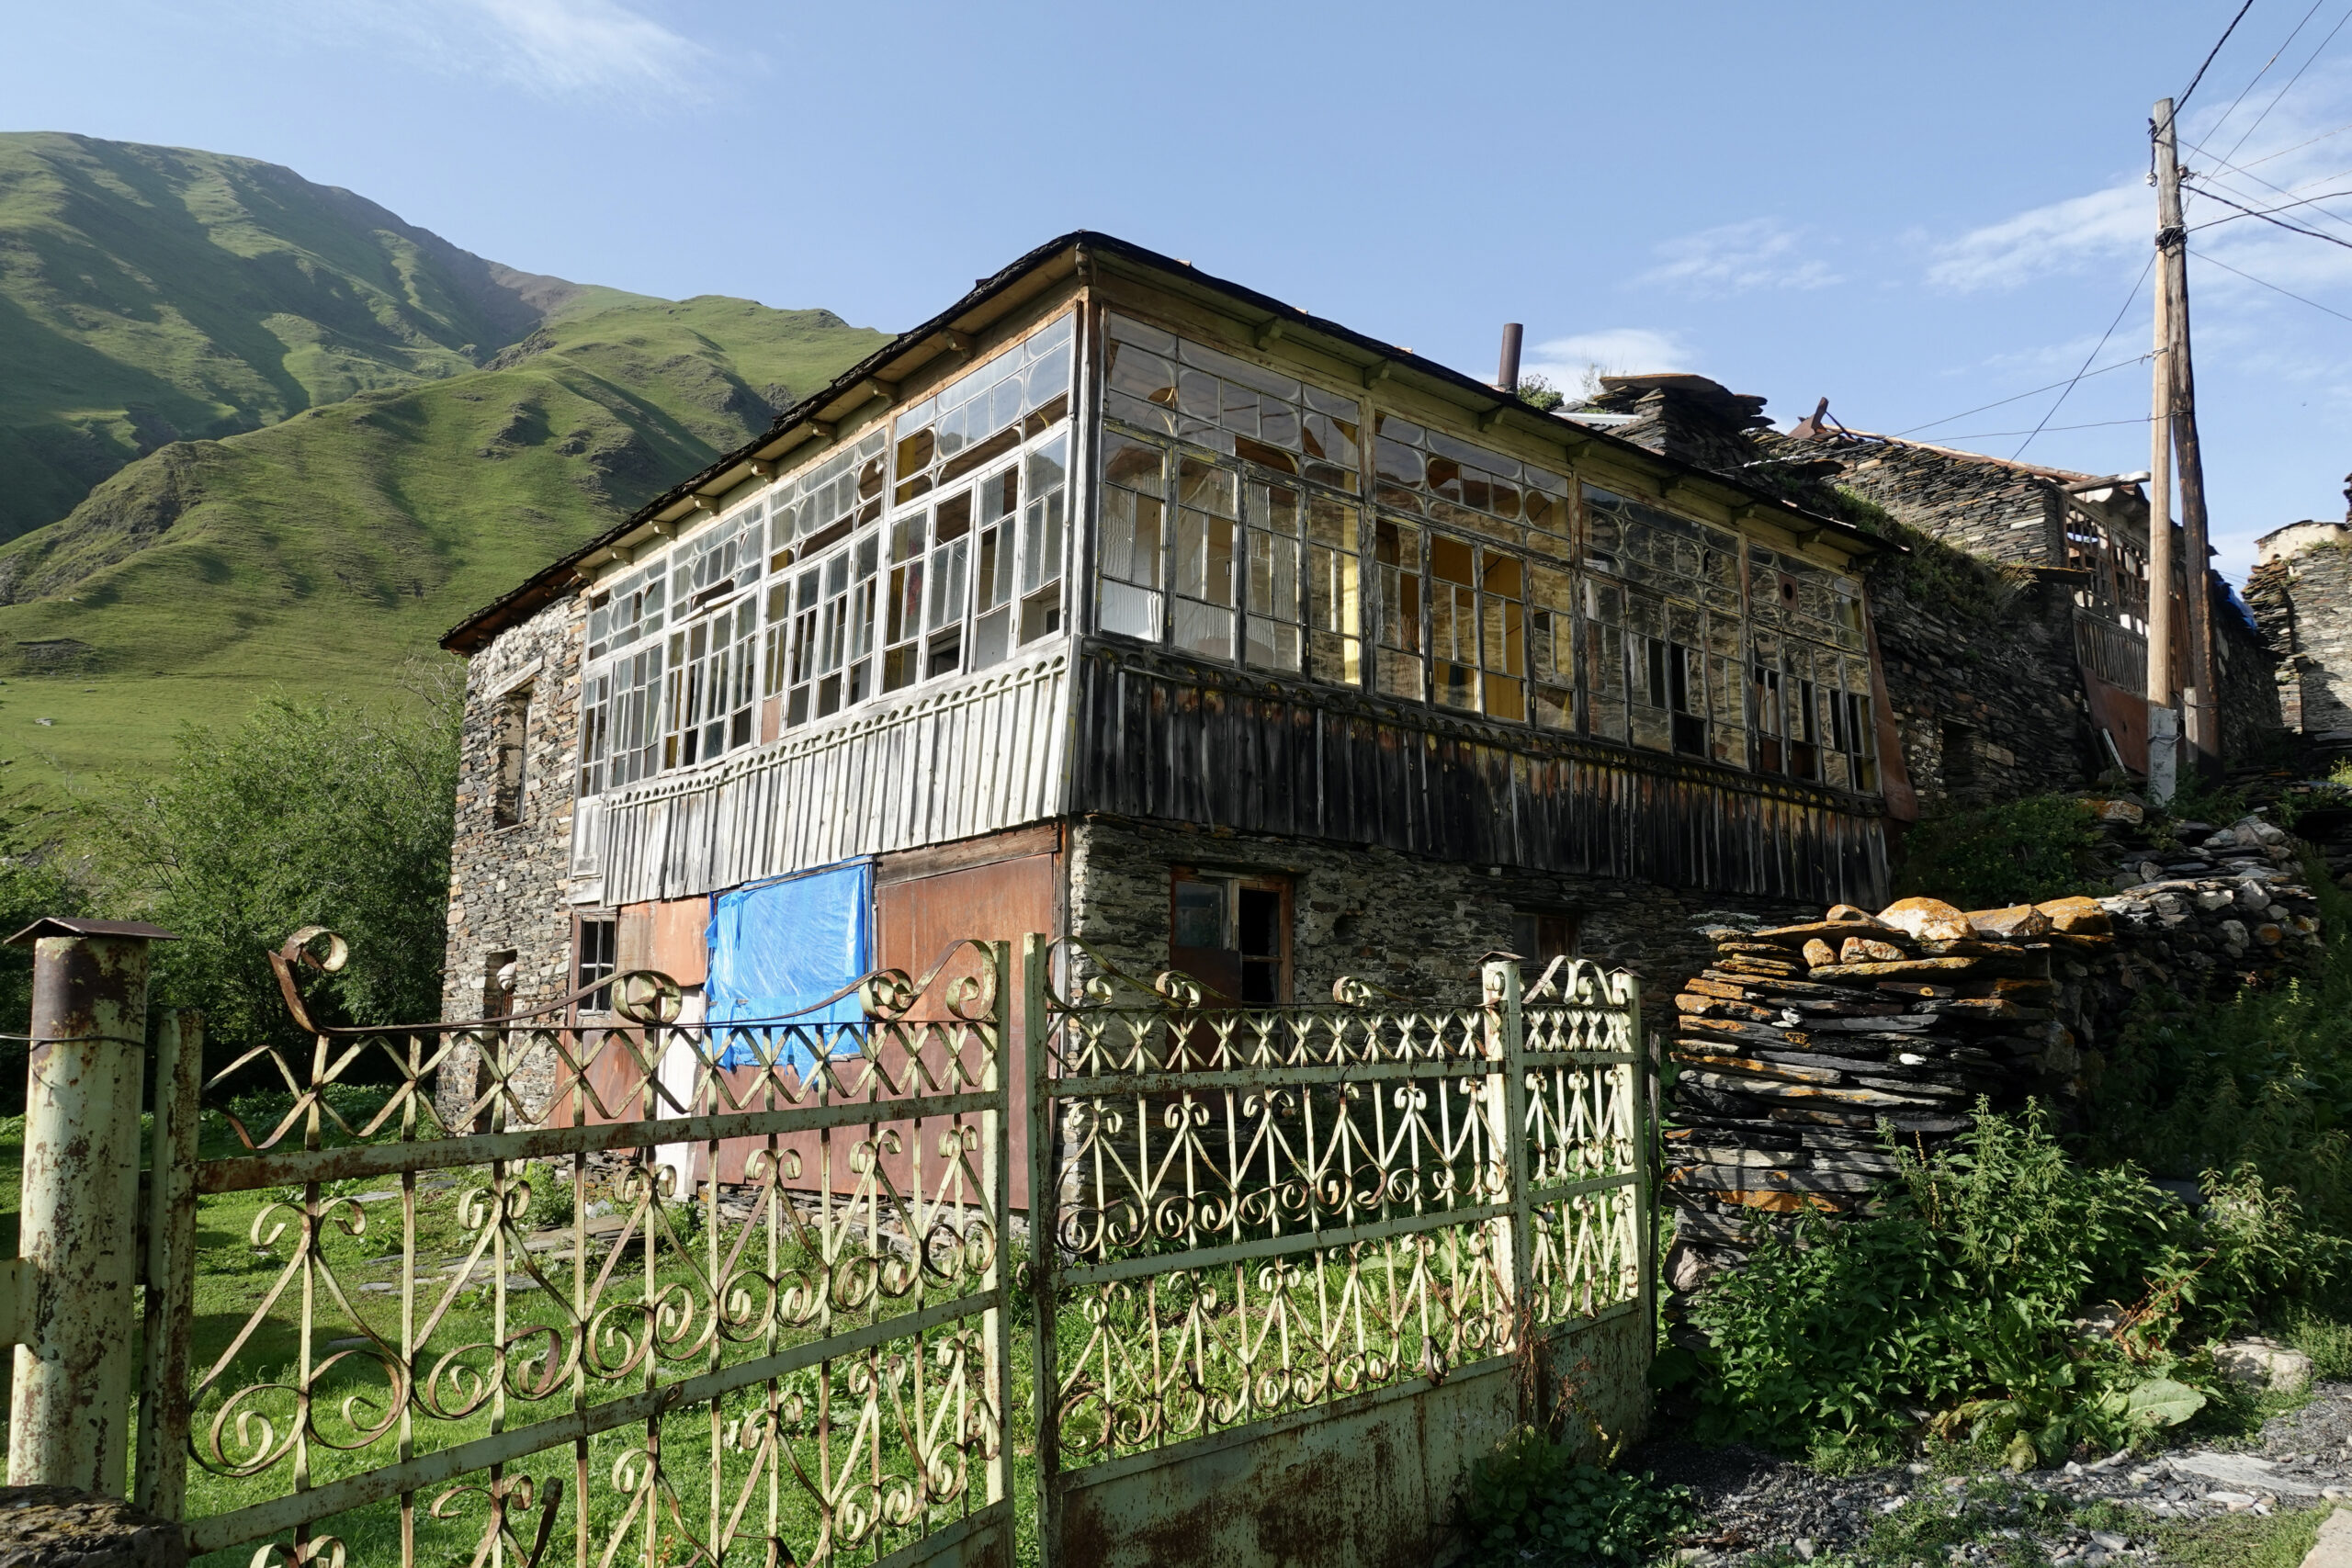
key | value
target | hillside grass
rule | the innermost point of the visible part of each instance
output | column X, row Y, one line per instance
column 322, row 552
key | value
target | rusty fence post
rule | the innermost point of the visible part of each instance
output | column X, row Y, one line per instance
column 160, row 1481
column 68, row 1413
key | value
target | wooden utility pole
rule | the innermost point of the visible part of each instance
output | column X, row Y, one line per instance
column 2176, row 383
column 2164, row 724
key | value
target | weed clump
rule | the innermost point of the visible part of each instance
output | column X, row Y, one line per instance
column 2022, row 852
column 1534, row 1500
column 2003, row 1295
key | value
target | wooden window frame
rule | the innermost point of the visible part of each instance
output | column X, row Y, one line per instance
column 1234, row 884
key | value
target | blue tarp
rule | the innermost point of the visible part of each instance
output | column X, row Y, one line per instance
column 778, row 948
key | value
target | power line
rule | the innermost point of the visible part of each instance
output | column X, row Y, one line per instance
column 2207, row 257
column 2282, row 222
column 2182, row 102
column 2095, row 424
column 2261, row 74
column 2146, row 268
column 2020, row 396
column 2210, row 183
column 2295, row 78
column 2250, row 163
column 2209, row 223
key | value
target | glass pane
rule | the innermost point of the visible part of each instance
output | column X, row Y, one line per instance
column 1130, row 612
column 1204, row 629
column 1273, row 645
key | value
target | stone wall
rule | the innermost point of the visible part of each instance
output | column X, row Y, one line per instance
column 1415, row 926
column 1795, row 1041
column 2301, row 592
column 2247, row 675
column 1979, row 666
column 507, row 884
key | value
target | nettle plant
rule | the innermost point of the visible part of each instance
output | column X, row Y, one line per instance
column 1964, row 1307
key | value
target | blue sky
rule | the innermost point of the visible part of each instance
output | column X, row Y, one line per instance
column 1914, row 210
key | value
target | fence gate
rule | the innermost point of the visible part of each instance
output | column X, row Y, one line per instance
column 459, row 1341
column 1307, row 1263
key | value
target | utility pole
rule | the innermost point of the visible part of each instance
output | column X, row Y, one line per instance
column 2180, row 415
column 2163, row 722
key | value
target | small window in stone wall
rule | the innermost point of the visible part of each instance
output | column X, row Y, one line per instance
column 1539, row 936
column 1959, row 755
column 1233, row 934
column 595, row 953
column 511, row 740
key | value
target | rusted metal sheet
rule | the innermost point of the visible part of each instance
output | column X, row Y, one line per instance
column 973, row 759
column 1316, row 1261
column 1161, row 736
column 1369, row 1481
column 70, row 1408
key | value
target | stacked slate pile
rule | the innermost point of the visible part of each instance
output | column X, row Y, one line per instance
column 1798, row 1041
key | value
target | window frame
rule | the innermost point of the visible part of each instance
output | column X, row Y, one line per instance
column 1231, row 884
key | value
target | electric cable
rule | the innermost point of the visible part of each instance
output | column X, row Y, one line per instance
column 2119, row 364
column 2146, row 268
column 2258, row 75
column 2290, row 293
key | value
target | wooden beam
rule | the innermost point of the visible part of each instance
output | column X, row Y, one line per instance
column 1266, row 332
column 1374, row 375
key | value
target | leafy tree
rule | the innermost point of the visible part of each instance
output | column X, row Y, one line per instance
column 311, row 812
column 1538, row 393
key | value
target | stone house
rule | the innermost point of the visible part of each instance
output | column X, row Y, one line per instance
column 1121, row 603
column 2301, row 592
column 2012, row 635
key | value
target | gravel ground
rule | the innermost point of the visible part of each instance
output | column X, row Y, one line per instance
column 1753, row 1504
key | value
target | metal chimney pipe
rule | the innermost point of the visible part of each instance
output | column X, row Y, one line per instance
column 1506, row 373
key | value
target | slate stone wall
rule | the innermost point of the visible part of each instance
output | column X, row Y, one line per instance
column 2302, row 600
column 508, row 884
column 1979, row 665
column 1415, row 926
column 2001, row 511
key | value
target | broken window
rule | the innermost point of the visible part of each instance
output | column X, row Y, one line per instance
column 1045, row 489
column 816, row 508
column 1550, row 645
column 1207, row 512
column 1334, row 596
column 1232, row 933
column 629, row 609
column 1605, row 679
column 1396, row 552
column 1539, row 936
column 818, row 655
column 706, row 699
column 596, row 950
column 1447, row 480
column 986, row 412
column 711, row 564
column 1170, row 386
column 1856, row 736
column 510, row 754
column 619, row 732
column 902, row 603
column 1135, row 476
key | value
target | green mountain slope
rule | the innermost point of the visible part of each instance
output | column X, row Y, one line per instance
column 320, row 552
column 149, row 293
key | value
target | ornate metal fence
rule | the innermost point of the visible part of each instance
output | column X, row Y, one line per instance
column 1315, row 1258
column 662, row 1292
column 653, row 1290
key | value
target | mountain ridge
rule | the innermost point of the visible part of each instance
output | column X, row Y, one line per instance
column 322, row 548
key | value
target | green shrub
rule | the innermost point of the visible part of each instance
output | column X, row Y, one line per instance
column 2019, row 853
column 1533, row 1501
column 2261, row 1079
column 1956, row 1306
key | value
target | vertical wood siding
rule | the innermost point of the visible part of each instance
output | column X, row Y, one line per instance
column 1161, row 738
column 971, row 759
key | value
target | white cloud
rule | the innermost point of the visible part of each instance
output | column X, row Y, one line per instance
column 552, row 47
column 2060, row 237
column 1735, row 258
column 1612, row 351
